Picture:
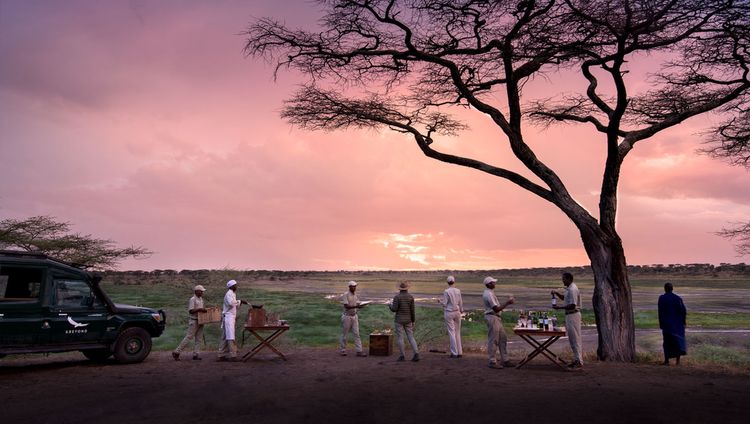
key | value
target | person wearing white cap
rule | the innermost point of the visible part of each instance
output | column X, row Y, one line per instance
column 228, row 347
column 194, row 330
column 349, row 319
column 496, row 337
column 453, row 307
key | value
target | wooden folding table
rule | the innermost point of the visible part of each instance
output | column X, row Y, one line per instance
column 263, row 342
column 540, row 340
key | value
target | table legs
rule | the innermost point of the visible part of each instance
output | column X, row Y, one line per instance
column 264, row 342
column 541, row 347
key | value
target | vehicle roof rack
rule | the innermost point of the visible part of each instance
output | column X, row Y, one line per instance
column 25, row 254
column 36, row 254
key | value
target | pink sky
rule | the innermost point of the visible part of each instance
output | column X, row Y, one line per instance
column 142, row 122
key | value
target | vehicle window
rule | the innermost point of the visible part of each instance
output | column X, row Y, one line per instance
column 73, row 293
column 18, row 283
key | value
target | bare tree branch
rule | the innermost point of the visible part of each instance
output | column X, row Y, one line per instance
column 740, row 234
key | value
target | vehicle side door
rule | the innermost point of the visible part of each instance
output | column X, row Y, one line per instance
column 76, row 315
column 21, row 316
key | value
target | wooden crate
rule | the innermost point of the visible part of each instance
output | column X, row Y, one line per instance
column 211, row 315
column 381, row 344
column 256, row 317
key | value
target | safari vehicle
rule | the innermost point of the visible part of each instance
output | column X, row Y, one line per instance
column 47, row 305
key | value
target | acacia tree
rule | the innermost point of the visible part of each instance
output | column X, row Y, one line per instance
column 47, row 235
column 406, row 65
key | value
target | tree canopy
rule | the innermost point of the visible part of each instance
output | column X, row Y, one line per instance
column 47, row 235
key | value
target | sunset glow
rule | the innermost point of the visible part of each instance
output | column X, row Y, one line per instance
column 142, row 122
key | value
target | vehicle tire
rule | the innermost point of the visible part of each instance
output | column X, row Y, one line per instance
column 133, row 345
column 97, row 355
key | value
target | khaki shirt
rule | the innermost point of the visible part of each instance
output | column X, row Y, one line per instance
column 350, row 299
column 572, row 296
column 490, row 301
column 195, row 302
column 452, row 301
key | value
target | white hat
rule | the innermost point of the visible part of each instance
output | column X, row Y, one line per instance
column 231, row 283
column 352, row 283
column 488, row 280
column 451, row 279
column 199, row 287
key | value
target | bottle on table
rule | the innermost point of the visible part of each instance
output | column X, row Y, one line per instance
column 546, row 322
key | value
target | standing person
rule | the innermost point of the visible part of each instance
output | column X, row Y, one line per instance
column 403, row 305
column 453, row 307
column 349, row 319
column 496, row 337
column 194, row 330
column 572, row 307
column 672, row 318
column 228, row 346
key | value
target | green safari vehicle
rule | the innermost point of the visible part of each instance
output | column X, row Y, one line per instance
column 47, row 305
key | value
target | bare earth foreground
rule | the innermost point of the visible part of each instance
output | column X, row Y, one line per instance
column 317, row 385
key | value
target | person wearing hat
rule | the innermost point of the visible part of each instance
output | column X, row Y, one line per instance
column 496, row 337
column 228, row 347
column 403, row 305
column 349, row 319
column 453, row 307
column 194, row 330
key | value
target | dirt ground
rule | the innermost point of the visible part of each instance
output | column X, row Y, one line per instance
column 318, row 385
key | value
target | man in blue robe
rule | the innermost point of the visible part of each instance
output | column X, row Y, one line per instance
column 672, row 314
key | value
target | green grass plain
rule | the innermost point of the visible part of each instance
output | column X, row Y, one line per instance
column 307, row 303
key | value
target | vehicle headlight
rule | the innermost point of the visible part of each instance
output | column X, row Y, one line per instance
column 156, row 316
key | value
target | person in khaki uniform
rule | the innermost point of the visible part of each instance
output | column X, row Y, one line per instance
column 349, row 319
column 194, row 330
column 572, row 307
column 496, row 337
column 453, row 307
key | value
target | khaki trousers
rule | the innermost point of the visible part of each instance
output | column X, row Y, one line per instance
column 194, row 334
column 453, row 325
column 573, row 328
column 350, row 323
column 496, row 338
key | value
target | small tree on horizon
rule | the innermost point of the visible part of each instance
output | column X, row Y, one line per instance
column 413, row 61
column 52, row 237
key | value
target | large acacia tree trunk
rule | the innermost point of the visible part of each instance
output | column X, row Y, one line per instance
column 612, row 300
